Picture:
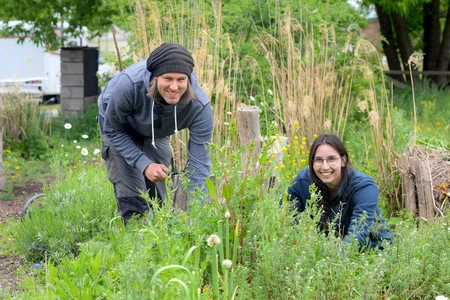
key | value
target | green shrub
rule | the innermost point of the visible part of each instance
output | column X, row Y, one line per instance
column 78, row 207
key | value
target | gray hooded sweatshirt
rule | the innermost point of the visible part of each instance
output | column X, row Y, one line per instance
column 129, row 114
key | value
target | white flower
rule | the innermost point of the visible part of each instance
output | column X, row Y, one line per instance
column 441, row 298
column 74, row 141
column 227, row 264
column 84, row 151
column 270, row 91
column 96, row 151
column 78, row 147
column 62, row 145
column 67, row 126
column 213, row 240
column 229, row 113
column 227, row 214
column 67, row 154
column 84, row 136
column 226, row 123
column 252, row 98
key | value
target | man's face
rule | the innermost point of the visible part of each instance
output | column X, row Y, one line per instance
column 172, row 86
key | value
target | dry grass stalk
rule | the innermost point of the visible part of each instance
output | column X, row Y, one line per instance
column 18, row 114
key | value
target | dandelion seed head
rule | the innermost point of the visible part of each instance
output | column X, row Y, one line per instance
column 213, row 240
column 227, row 264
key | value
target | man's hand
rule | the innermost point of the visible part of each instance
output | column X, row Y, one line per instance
column 156, row 172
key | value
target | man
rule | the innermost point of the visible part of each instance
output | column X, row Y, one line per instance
column 138, row 110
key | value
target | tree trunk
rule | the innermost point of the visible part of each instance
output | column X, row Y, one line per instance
column 431, row 35
column 389, row 45
column 403, row 41
column 444, row 52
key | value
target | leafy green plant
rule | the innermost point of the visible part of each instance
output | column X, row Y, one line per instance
column 76, row 210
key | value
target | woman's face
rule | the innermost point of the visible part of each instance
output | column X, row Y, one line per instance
column 327, row 166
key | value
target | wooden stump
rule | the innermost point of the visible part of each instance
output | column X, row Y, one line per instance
column 409, row 188
column 250, row 135
column 179, row 196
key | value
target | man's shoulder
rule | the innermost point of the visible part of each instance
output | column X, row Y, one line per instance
column 137, row 72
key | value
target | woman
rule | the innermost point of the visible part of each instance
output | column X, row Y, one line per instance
column 349, row 197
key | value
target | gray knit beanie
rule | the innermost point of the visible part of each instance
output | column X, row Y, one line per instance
column 170, row 58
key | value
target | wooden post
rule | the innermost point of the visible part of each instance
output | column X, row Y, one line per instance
column 249, row 133
column 420, row 189
column 409, row 189
column 427, row 185
column 2, row 176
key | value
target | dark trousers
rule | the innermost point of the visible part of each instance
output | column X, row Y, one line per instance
column 130, row 183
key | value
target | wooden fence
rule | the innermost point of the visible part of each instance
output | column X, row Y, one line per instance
column 414, row 73
column 425, row 177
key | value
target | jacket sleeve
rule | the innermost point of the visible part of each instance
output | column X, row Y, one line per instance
column 299, row 192
column 200, row 134
column 120, row 106
column 365, row 207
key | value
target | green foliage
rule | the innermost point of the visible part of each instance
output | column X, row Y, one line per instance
column 432, row 107
column 80, row 125
column 275, row 254
column 43, row 22
column 76, row 210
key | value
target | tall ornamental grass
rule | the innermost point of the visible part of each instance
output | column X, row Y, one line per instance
column 21, row 120
column 317, row 82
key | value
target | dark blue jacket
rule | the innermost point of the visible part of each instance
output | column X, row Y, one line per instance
column 358, row 199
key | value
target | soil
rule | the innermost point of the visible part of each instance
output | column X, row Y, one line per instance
column 12, row 209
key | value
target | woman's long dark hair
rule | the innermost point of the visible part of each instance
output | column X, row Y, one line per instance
column 346, row 170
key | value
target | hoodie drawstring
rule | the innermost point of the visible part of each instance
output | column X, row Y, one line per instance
column 153, row 126
column 176, row 125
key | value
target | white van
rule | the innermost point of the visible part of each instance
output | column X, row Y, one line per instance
column 30, row 69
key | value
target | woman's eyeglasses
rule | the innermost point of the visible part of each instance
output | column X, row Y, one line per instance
column 331, row 161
